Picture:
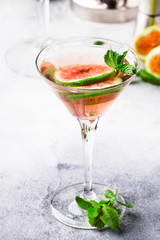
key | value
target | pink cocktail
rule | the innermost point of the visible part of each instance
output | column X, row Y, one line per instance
column 75, row 70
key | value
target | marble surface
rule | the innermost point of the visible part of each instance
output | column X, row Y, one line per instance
column 41, row 146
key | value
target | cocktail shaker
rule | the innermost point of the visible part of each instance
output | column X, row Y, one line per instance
column 149, row 14
column 106, row 11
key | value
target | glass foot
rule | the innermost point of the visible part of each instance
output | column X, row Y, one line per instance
column 66, row 210
column 20, row 58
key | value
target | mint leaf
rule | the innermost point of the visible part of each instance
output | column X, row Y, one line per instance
column 92, row 221
column 110, row 217
column 113, row 59
column 93, row 212
column 102, row 202
column 94, row 204
column 96, row 222
column 122, row 57
column 104, row 212
column 99, row 223
column 126, row 69
column 83, row 203
column 109, row 194
column 110, row 58
column 116, row 60
column 129, row 205
column 98, row 43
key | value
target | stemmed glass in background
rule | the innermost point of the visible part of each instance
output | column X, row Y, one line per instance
column 87, row 105
column 21, row 56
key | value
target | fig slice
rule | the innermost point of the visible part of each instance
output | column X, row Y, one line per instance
column 107, row 83
column 104, row 86
column 152, row 63
column 80, row 75
column 148, row 39
column 49, row 73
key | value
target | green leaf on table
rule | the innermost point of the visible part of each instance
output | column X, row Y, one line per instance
column 110, row 217
column 92, row 221
column 104, row 212
column 93, row 212
column 99, row 223
column 102, row 202
column 83, row 203
column 110, row 195
column 129, row 205
column 94, row 204
column 96, row 222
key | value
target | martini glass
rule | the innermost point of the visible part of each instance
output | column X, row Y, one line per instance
column 87, row 105
column 21, row 56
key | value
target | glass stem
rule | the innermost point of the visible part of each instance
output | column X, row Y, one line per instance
column 88, row 129
column 44, row 17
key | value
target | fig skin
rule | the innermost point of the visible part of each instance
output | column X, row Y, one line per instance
column 148, row 39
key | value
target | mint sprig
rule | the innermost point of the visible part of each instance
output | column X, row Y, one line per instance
column 110, row 217
column 104, row 212
column 116, row 60
column 83, row 203
column 112, row 197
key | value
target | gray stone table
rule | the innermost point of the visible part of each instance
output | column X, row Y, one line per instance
column 41, row 146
